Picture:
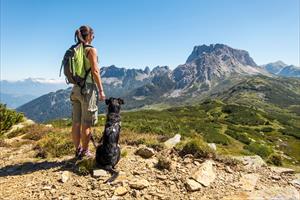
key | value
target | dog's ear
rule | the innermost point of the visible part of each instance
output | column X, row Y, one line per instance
column 107, row 101
column 121, row 101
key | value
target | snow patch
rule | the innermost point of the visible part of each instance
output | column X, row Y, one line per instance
column 112, row 81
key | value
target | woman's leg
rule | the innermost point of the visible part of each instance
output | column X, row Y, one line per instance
column 76, row 134
column 85, row 136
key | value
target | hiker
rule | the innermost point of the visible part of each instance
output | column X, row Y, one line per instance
column 85, row 99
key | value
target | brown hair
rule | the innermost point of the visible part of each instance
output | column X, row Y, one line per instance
column 82, row 33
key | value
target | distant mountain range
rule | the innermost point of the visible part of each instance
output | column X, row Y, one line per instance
column 16, row 93
column 279, row 68
column 208, row 70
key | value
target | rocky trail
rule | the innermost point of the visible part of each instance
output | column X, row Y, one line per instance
column 144, row 174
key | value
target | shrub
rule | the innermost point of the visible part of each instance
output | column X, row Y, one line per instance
column 238, row 114
column 267, row 129
column 261, row 150
column 275, row 159
column 197, row 148
column 8, row 118
column 54, row 145
column 242, row 137
column 35, row 132
column 217, row 138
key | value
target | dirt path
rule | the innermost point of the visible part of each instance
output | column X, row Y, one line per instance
column 24, row 177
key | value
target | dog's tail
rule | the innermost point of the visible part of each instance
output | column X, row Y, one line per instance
column 114, row 174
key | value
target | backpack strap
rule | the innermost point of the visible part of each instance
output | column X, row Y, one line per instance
column 87, row 71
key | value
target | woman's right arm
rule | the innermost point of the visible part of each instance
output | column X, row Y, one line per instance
column 92, row 56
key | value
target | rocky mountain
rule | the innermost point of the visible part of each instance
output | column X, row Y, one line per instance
column 205, row 68
column 279, row 68
column 16, row 93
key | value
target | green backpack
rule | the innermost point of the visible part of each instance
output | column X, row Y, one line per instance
column 75, row 66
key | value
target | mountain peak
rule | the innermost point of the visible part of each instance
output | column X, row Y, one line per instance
column 221, row 50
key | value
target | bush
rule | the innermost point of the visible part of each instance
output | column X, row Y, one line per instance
column 261, row 150
column 238, row 114
column 197, row 148
column 217, row 138
column 54, row 145
column 35, row 132
column 8, row 118
column 242, row 137
column 267, row 129
column 275, row 159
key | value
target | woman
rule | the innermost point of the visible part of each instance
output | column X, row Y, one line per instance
column 84, row 103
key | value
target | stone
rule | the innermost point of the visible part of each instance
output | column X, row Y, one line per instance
column 49, row 125
column 192, row 185
column 229, row 170
column 100, row 173
column 139, row 184
column 170, row 143
column 296, row 182
column 47, row 187
column 65, row 176
column 276, row 177
column 120, row 191
column 278, row 193
column 282, row 170
column 145, row 152
column 248, row 182
column 251, row 162
column 213, row 146
column 205, row 174
column 161, row 177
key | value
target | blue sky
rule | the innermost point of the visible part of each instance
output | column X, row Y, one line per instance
column 139, row 33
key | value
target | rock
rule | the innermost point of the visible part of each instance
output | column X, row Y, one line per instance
column 248, row 181
column 161, row 177
column 47, row 187
column 49, row 125
column 145, row 152
column 170, row 143
column 278, row 193
column 205, row 174
column 296, row 182
column 282, row 170
column 139, row 184
column 212, row 146
column 251, row 162
column 100, row 173
column 192, row 185
column 276, row 177
column 65, row 176
column 120, row 191
column 228, row 170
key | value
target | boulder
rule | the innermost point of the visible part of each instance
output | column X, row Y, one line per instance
column 100, row 173
column 248, row 182
column 120, row 191
column 205, row 174
column 145, row 152
column 282, row 170
column 139, row 184
column 65, row 176
column 251, row 162
column 170, row 143
column 192, row 185
column 213, row 146
column 276, row 192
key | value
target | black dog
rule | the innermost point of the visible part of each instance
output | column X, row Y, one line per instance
column 108, row 153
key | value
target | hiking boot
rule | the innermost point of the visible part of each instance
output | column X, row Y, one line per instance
column 86, row 154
